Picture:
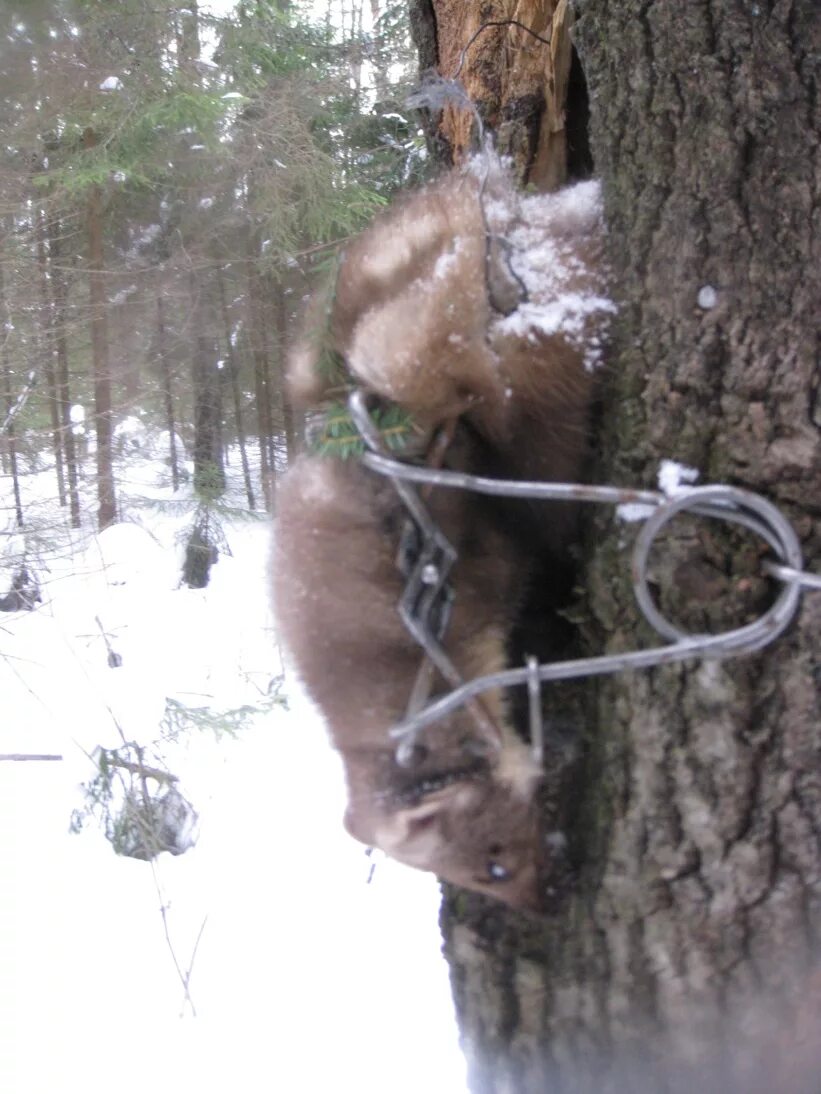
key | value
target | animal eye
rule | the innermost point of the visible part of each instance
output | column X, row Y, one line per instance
column 497, row 872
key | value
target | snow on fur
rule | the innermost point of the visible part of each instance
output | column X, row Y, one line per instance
column 565, row 296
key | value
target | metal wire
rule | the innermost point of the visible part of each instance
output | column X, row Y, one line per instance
column 733, row 504
column 799, row 577
column 728, row 503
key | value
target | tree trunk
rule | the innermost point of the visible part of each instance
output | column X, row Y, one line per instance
column 9, row 441
column 187, row 35
column 48, row 350
column 126, row 361
column 262, row 387
column 685, row 953
column 380, row 59
column 168, row 394
column 235, row 391
column 8, row 435
column 57, row 282
column 107, row 509
column 288, row 420
column 268, row 310
column 209, row 474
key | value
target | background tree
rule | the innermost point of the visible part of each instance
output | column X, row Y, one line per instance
column 684, row 954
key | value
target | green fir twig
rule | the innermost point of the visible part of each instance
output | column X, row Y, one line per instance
column 336, row 433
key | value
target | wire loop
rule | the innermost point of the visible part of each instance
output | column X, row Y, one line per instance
column 740, row 507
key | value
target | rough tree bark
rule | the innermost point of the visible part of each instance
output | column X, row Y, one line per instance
column 233, row 368
column 518, row 76
column 209, row 473
column 103, row 414
column 262, row 372
column 9, row 436
column 288, row 416
column 49, row 356
column 167, row 390
column 209, row 469
column 59, row 295
column 684, row 954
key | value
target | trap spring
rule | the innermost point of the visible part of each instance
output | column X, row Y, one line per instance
column 729, row 503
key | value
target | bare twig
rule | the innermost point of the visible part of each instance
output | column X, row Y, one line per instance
column 141, row 769
column 184, row 975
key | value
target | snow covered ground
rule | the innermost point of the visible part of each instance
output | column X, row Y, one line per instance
column 306, row 977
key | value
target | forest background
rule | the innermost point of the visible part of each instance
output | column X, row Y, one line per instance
column 170, row 182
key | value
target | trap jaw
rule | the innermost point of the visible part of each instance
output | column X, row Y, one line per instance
column 425, row 559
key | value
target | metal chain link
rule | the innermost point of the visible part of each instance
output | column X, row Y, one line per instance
column 729, row 503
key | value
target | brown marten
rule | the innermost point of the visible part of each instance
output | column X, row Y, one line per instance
column 468, row 301
column 470, row 298
column 467, row 816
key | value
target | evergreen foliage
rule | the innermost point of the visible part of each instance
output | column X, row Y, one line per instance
column 337, row 435
column 136, row 799
column 138, row 805
column 250, row 143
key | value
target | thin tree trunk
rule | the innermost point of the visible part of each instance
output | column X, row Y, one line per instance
column 46, row 345
column 188, row 38
column 288, row 417
column 256, row 325
column 234, row 373
column 48, row 350
column 380, row 58
column 209, row 477
column 58, row 298
column 107, row 508
column 168, row 395
column 9, row 437
column 266, row 306
column 11, row 447
column 356, row 42
column 127, row 365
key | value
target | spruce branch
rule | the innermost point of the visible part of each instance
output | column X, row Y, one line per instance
column 336, row 433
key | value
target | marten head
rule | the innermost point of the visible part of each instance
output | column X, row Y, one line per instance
column 478, row 832
column 467, row 297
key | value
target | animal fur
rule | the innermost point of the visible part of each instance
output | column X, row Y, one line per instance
column 336, row 590
column 466, row 300
column 414, row 314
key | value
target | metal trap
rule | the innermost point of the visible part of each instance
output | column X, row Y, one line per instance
column 427, row 557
